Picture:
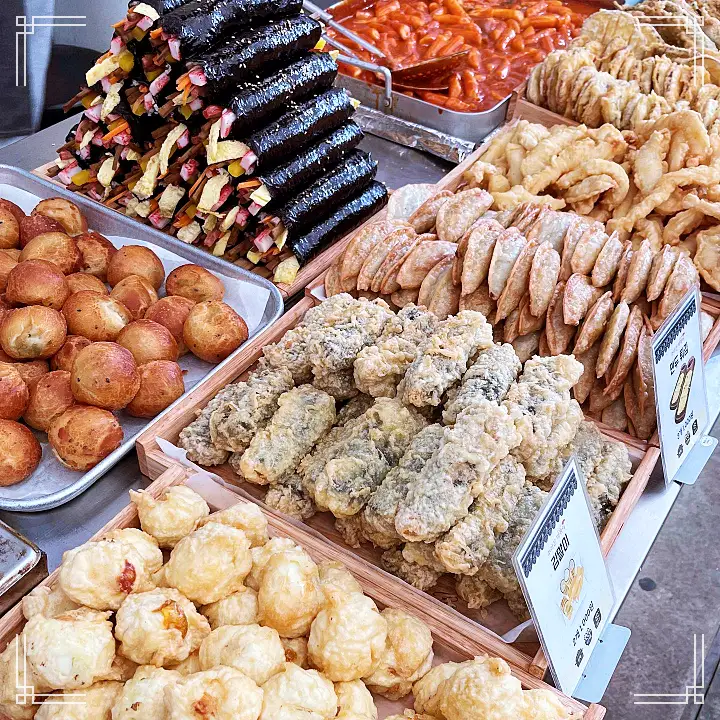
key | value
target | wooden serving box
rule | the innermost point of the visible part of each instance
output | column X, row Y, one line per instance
column 154, row 462
column 452, row 641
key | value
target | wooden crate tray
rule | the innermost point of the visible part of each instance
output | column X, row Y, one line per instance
column 154, row 462
column 453, row 640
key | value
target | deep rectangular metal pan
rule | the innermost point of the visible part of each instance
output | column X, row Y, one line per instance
column 110, row 222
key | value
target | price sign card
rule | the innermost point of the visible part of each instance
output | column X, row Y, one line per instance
column 680, row 397
column 563, row 575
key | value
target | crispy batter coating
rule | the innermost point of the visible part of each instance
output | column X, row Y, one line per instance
column 362, row 455
column 423, row 554
column 354, row 701
column 298, row 694
column 347, row 637
column 289, row 496
column 253, row 650
column 426, row 690
column 296, row 651
column 408, row 655
column 304, row 415
column 465, row 547
column 378, row 516
column 288, row 597
column 338, row 383
column 419, row 576
column 159, row 627
column 234, row 424
column 261, row 556
column 49, row 602
column 210, row 563
column 543, row 705
column 97, row 702
column 171, row 517
column 336, row 578
column 72, row 650
column 444, row 357
column 15, row 673
column 189, row 666
column 240, row 608
column 143, row 696
column 245, row 516
column 380, row 367
column 221, row 694
column 488, row 378
column 351, row 530
column 476, row 592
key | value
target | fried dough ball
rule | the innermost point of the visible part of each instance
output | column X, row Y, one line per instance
column 426, row 690
column 135, row 260
column 7, row 263
column 31, row 371
column 189, row 666
column 97, row 317
column 347, row 638
column 64, row 358
column 96, row 251
column 355, row 701
column 48, row 602
column 37, row 282
column 210, row 563
column 296, row 651
column 262, row 554
column 240, row 608
column 254, row 650
column 136, row 294
column 14, row 393
column 159, row 627
column 148, row 341
column 195, row 283
column 50, row 397
column 543, row 705
column 298, row 694
column 20, row 452
column 173, row 516
column 97, row 703
column 335, row 577
column 213, row 330
column 67, row 213
column 219, row 694
column 171, row 312
column 32, row 333
column 33, row 225
column 101, row 574
column 17, row 212
column 161, row 384
column 83, row 435
column 288, row 597
column 104, row 374
column 245, row 516
column 79, row 281
column 55, row 247
column 9, row 230
column 143, row 696
column 407, row 656
column 72, row 650
column 145, row 544
column 15, row 675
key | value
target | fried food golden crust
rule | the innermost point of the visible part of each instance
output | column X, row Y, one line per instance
column 478, row 253
column 607, row 262
column 580, row 295
column 422, row 258
column 594, row 324
column 557, row 332
column 544, row 275
column 628, row 352
column 455, row 216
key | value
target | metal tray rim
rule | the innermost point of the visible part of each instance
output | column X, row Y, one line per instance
column 274, row 309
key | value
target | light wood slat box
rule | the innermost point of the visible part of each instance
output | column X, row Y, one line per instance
column 154, row 462
column 452, row 642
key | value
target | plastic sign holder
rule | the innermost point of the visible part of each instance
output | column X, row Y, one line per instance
column 680, row 394
column 568, row 590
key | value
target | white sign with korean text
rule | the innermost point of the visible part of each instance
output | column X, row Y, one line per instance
column 563, row 575
column 680, row 398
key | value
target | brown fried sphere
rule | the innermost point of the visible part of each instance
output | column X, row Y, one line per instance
column 33, row 225
column 9, row 230
column 17, row 212
column 50, row 397
column 104, row 374
column 14, row 393
column 20, row 452
column 161, row 384
column 63, row 211
column 195, row 283
column 79, row 281
column 64, row 358
column 148, row 341
column 136, row 294
column 213, row 330
column 96, row 251
column 82, row 436
column 32, row 333
column 136, row 260
column 172, row 312
column 31, row 371
column 37, row 282
column 56, row 248
column 95, row 316
column 7, row 263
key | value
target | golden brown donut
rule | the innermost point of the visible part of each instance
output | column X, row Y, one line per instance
column 172, row 312
column 31, row 371
column 20, row 452
column 63, row 211
column 14, row 393
column 6, row 265
column 54, row 247
column 161, row 384
column 49, row 398
column 136, row 294
column 37, row 282
column 195, row 283
column 79, row 281
column 213, row 330
column 9, row 230
column 33, row 225
column 136, row 260
column 105, row 374
column 16, row 210
column 148, row 341
column 35, row 332
column 64, row 358
column 82, row 436
column 95, row 316
column 96, row 251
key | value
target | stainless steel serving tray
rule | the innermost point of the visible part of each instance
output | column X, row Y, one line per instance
column 110, row 222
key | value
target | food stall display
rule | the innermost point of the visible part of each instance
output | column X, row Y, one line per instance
column 220, row 126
